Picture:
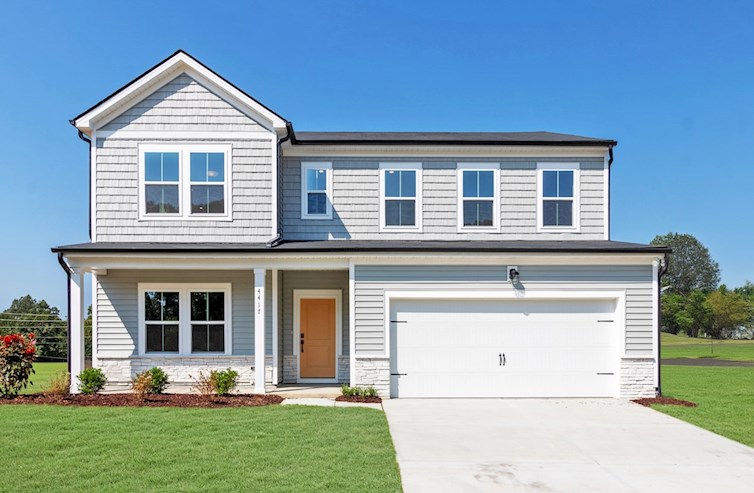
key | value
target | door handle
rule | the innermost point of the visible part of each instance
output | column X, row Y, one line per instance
column 502, row 358
column 302, row 343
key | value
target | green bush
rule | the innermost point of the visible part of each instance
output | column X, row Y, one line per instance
column 369, row 392
column 349, row 391
column 152, row 381
column 223, row 381
column 91, row 381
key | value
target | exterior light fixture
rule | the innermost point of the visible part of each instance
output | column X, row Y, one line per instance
column 513, row 273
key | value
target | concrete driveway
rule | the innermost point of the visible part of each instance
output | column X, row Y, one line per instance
column 570, row 445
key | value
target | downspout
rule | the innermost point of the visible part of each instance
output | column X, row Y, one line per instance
column 663, row 270
column 68, row 273
column 609, row 179
column 288, row 135
column 85, row 139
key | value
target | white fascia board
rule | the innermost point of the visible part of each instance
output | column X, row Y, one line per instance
column 439, row 150
column 168, row 70
column 342, row 262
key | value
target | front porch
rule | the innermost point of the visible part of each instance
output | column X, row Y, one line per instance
column 304, row 310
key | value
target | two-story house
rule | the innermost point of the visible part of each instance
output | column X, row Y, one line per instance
column 424, row 264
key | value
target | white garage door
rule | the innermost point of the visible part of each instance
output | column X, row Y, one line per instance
column 503, row 348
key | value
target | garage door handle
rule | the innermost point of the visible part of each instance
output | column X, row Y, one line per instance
column 502, row 359
column 397, row 374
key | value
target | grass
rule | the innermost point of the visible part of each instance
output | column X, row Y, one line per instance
column 271, row 449
column 725, row 397
column 43, row 375
column 674, row 346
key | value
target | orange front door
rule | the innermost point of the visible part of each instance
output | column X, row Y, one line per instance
column 317, row 338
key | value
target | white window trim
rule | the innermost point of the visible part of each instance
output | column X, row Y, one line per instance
column 306, row 165
column 184, row 181
column 184, row 324
column 495, row 167
column 575, row 167
column 384, row 167
column 302, row 294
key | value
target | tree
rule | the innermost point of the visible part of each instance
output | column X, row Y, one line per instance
column 26, row 314
column 729, row 313
column 675, row 317
column 691, row 266
column 746, row 291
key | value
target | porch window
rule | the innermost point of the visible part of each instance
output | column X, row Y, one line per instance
column 162, row 321
column 401, row 204
column 185, row 319
column 207, row 322
column 316, row 190
column 185, row 182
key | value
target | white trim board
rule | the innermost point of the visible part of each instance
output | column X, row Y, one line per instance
column 298, row 295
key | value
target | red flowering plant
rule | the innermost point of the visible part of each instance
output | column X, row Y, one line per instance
column 17, row 354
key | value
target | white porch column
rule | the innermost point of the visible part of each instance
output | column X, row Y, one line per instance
column 76, row 319
column 259, row 329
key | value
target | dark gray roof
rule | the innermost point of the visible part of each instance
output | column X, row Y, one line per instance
column 348, row 246
column 448, row 138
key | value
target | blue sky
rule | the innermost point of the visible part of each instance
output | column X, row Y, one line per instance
column 673, row 83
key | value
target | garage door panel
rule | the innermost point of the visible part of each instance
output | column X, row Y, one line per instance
column 454, row 348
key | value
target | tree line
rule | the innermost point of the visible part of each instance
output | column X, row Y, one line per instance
column 693, row 300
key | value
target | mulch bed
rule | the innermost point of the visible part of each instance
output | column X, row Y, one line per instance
column 354, row 398
column 670, row 401
column 162, row 400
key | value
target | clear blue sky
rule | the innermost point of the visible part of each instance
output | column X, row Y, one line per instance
column 672, row 82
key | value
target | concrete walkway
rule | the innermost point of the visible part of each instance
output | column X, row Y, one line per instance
column 539, row 445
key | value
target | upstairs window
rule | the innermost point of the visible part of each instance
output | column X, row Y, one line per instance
column 478, row 196
column 184, row 182
column 401, row 197
column 316, row 190
column 558, row 197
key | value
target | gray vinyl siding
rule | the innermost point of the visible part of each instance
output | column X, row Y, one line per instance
column 117, row 307
column 183, row 105
column 292, row 280
column 356, row 201
column 372, row 281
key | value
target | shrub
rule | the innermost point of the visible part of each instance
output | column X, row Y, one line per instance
column 152, row 381
column 91, row 381
column 60, row 384
column 358, row 391
column 17, row 353
column 369, row 392
column 223, row 381
column 203, row 384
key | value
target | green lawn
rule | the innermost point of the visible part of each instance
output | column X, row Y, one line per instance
column 275, row 448
column 688, row 347
column 44, row 372
column 725, row 397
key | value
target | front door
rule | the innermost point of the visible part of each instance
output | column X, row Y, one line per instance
column 317, row 338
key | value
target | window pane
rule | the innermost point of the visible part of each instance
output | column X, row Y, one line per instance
column 154, row 338
column 557, row 213
column 153, row 166
column 170, row 306
column 162, row 199
column 392, row 183
column 549, row 183
column 565, row 213
column 207, row 199
column 565, row 183
column 477, row 213
column 215, row 166
column 217, row 307
column 170, row 166
column 198, row 166
column 216, row 338
column 400, row 213
column 198, row 306
column 486, row 184
column 316, row 180
column 152, row 306
column 408, row 183
column 170, row 338
column 470, row 183
column 316, row 203
column 199, row 338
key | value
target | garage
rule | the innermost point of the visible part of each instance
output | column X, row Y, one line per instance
column 444, row 347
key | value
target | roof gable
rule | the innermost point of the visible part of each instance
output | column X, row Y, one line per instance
column 169, row 69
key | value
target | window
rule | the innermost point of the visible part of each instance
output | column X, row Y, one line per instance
column 316, row 189
column 184, row 319
column 558, row 197
column 400, row 201
column 184, row 182
column 478, row 187
column 161, row 318
column 207, row 322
